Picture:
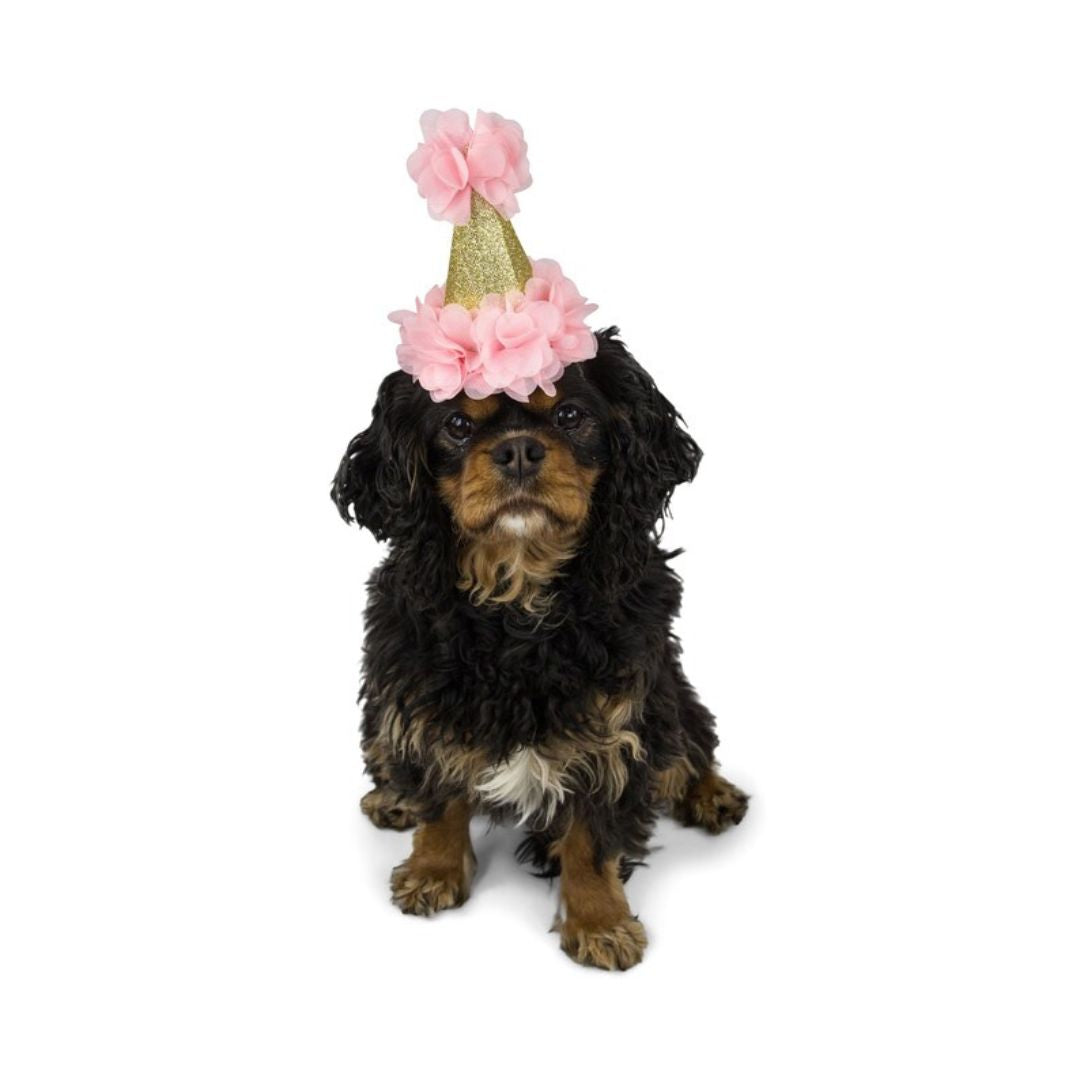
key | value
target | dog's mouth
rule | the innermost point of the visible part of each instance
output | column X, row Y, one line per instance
column 522, row 516
column 550, row 506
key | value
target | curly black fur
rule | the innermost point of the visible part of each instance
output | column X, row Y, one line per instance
column 495, row 676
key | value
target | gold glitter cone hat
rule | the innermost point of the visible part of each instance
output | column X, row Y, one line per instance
column 503, row 323
column 486, row 257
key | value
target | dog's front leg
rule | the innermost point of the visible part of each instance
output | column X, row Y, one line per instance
column 439, row 871
column 595, row 924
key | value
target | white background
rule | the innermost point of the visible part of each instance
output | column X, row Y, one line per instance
column 843, row 237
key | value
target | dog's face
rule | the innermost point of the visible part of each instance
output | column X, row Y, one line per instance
column 602, row 456
column 511, row 469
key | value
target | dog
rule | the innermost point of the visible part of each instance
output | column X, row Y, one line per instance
column 519, row 659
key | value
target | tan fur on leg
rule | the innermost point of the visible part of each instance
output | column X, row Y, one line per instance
column 439, row 871
column 597, row 927
column 711, row 803
column 671, row 785
column 388, row 809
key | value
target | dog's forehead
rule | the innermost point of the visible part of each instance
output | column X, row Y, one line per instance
column 495, row 406
column 483, row 409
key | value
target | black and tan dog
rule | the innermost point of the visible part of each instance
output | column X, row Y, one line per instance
column 519, row 658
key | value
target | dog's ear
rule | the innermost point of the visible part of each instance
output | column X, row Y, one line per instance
column 650, row 454
column 651, row 451
column 380, row 480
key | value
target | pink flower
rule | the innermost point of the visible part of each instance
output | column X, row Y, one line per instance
column 572, row 337
column 498, row 165
column 436, row 344
column 453, row 161
column 510, row 344
column 438, row 165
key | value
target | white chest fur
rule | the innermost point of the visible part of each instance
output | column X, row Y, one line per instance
column 530, row 783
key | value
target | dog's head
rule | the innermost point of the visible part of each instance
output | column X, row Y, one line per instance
column 602, row 456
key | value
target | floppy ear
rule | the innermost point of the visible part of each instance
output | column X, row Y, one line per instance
column 650, row 453
column 380, row 477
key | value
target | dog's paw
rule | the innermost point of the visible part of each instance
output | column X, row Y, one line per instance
column 423, row 888
column 613, row 948
column 387, row 809
column 713, row 804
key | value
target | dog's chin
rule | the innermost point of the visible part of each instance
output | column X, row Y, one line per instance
column 522, row 522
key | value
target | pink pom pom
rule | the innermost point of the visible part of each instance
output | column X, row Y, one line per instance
column 498, row 165
column 438, row 165
column 511, row 344
column 453, row 161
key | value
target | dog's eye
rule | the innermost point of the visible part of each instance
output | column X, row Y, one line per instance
column 459, row 426
column 568, row 416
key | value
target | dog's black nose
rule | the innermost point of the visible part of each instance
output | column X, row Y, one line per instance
column 519, row 457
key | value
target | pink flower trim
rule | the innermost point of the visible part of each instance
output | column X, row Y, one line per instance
column 455, row 160
column 510, row 344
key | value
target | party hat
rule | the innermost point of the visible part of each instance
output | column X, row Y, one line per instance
column 503, row 323
column 485, row 257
